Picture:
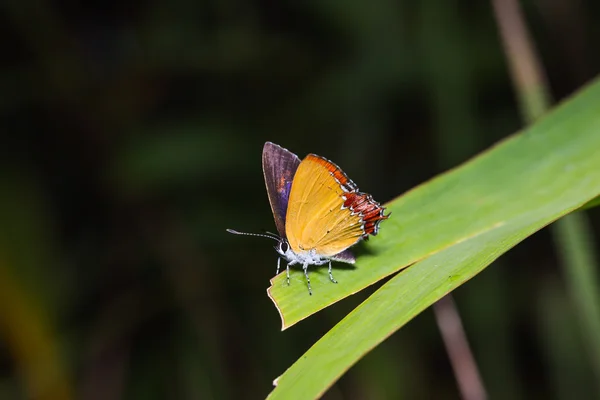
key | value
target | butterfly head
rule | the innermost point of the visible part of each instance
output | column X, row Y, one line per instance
column 284, row 249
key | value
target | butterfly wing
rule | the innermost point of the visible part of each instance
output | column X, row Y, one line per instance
column 279, row 168
column 345, row 256
column 317, row 217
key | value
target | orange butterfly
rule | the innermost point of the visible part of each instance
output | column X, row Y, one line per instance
column 319, row 212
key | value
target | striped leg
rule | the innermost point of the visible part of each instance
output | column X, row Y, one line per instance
column 330, row 275
column 287, row 269
column 305, row 267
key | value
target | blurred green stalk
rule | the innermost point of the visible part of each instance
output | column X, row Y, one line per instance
column 574, row 237
column 562, row 347
column 572, row 233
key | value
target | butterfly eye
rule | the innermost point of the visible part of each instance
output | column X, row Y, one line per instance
column 284, row 247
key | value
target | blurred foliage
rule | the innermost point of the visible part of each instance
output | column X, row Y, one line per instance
column 131, row 138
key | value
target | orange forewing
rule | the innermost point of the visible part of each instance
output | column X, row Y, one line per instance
column 316, row 217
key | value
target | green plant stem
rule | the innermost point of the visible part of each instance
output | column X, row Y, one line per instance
column 563, row 350
column 572, row 233
column 573, row 236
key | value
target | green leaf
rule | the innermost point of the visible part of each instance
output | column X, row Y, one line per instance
column 546, row 171
column 393, row 305
column 457, row 224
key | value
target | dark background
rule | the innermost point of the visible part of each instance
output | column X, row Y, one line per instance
column 131, row 137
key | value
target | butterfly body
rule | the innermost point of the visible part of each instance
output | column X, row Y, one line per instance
column 309, row 257
column 319, row 212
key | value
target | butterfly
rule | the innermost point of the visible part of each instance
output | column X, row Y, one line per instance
column 319, row 212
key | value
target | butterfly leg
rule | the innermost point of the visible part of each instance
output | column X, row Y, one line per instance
column 305, row 267
column 330, row 275
column 287, row 269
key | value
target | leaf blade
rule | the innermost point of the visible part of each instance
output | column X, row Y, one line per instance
column 394, row 304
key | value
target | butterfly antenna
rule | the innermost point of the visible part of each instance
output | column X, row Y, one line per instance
column 252, row 234
column 271, row 234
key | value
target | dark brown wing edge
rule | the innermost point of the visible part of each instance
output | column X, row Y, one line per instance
column 279, row 168
column 345, row 256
